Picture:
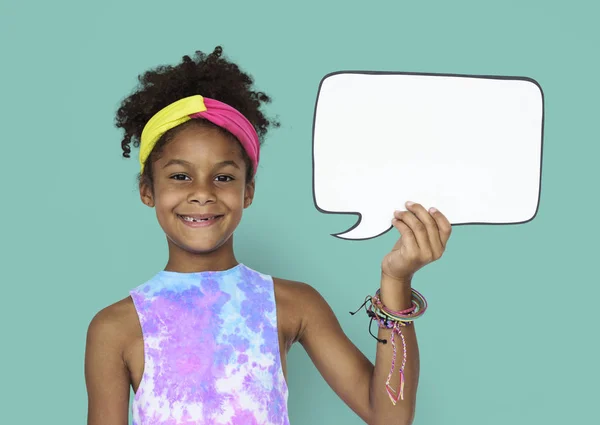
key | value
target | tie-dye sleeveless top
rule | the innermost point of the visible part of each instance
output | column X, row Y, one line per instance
column 211, row 350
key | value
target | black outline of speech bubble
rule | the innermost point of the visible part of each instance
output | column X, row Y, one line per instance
column 488, row 77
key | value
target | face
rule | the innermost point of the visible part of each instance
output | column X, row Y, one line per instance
column 200, row 191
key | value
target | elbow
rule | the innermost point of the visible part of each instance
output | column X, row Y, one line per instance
column 407, row 417
column 410, row 419
column 400, row 415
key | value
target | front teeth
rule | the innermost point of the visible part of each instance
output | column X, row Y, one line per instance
column 196, row 220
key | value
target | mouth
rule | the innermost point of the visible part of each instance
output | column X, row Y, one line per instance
column 199, row 220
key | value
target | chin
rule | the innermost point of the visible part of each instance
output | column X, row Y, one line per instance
column 202, row 249
column 198, row 247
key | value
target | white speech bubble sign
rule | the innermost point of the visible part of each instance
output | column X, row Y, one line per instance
column 470, row 146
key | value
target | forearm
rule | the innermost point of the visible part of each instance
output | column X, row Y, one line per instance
column 395, row 295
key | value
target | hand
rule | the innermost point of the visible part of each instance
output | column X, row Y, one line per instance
column 423, row 238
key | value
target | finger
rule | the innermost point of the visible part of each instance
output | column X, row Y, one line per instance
column 418, row 229
column 431, row 226
column 407, row 237
column 443, row 224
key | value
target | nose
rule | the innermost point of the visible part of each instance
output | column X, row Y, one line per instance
column 202, row 193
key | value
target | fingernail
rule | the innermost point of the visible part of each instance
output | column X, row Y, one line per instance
column 409, row 204
column 432, row 210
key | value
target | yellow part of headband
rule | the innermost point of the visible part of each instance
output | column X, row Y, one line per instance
column 167, row 118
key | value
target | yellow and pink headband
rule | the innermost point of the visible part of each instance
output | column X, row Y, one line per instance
column 198, row 106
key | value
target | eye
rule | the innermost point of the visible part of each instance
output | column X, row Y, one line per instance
column 179, row 176
column 224, row 179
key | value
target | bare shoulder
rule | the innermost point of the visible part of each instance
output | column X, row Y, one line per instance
column 114, row 321
column 293, row 288
column 106, row 372
column 116, row 328
column 298, row 295
column 301, row 303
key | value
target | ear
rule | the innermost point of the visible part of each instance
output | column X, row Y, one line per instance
column 249, row 193
column 146, row 194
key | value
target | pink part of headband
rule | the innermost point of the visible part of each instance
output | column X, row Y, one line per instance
column 233, row 121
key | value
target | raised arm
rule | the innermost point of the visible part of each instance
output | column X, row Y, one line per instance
column 359, row 383
column 351, row 375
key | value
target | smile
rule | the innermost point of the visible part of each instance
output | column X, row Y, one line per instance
column 199, row 220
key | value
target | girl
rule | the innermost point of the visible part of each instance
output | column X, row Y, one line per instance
column 204, row 341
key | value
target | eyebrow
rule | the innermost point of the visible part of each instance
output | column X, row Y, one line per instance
column 226, row 163
column 186, row 163
column 176, row 162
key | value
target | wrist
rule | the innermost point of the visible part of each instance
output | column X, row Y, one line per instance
column 396, row 294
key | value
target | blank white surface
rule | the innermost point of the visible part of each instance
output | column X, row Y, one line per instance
column 469, row 146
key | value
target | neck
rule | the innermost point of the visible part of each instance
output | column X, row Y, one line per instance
column 182, row 261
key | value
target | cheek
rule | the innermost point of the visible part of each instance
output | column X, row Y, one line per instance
column 235, row 200
column 232, row 193
column 166, row 200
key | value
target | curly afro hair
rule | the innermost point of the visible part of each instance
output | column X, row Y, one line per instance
column 209, row 75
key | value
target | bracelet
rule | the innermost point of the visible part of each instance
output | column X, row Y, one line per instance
column 394, row 320
column 383, row 321
column 392, row 394
column 419, row 306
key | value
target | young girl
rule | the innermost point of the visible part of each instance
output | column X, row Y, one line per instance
column 204, row 341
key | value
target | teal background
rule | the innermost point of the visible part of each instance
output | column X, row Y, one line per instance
column 512, row 331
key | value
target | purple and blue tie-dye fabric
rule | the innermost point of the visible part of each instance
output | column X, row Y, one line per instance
column 211, row 350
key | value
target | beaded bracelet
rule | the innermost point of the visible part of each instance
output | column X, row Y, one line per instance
column 419, row 306
column 383, row 321
column 395, row 326
column 394, row 321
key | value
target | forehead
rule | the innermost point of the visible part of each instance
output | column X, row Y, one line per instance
column 199, row 143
